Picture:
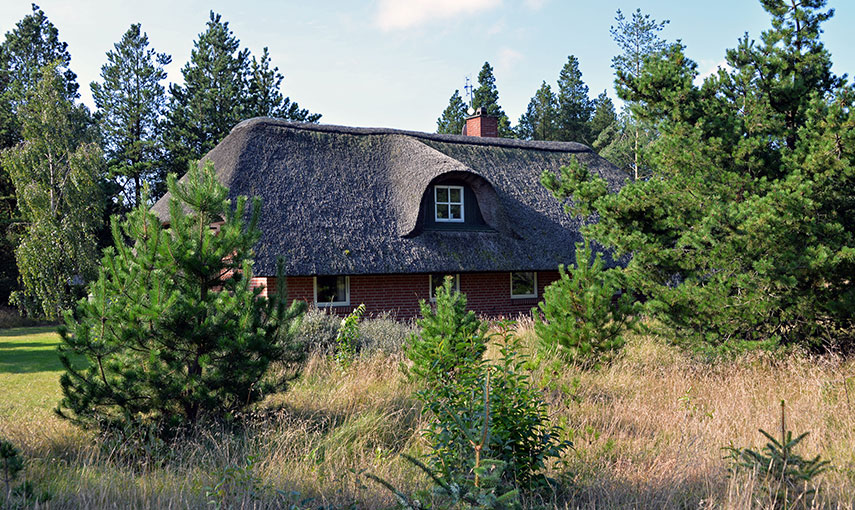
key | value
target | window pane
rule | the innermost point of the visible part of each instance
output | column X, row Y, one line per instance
column 332, row 289
column 455, row 212
column 441, row 194
column 522, row 284
column 442, row 211
column 454, row 194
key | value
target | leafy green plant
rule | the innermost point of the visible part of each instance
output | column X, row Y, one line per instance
column 347, row 339
column 236, row 486
column 786, row 475
column 579, row 317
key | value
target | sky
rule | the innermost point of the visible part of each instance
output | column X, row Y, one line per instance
column 395, row 63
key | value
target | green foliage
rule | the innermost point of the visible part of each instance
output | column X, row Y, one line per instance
column 540, row 120
column 347, row 338
column 604, row 117
column 235, row 486
column 453, row 117
column 12, row 464
column 222, row 87
column 786, row 475
column 486, row 96
column 451, row 341
column 264, row 96
column 466, row 394
column 747, row 231
column 574, row 106
column 579, row 317
column 172, row 333
column 638, row 39
column 55, row 172
column 131, row 103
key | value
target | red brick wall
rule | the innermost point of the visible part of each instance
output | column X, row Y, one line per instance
column 487, row 294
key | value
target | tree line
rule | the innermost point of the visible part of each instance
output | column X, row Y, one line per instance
column 64, row 170
column 567, row 112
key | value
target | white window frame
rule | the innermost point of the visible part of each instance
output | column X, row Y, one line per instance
column 326, row 304
column 449, row 203
column 523, row 296
column 431, row 287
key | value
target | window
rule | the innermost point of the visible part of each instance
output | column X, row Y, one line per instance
column 448, row 203
column 524, row 285
column 437, row 279
column 332, row 290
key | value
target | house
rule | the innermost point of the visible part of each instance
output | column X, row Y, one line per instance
column 379, row 216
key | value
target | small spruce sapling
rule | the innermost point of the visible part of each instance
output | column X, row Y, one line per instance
column 12, row 464
column 580, row 316
column 786, row 475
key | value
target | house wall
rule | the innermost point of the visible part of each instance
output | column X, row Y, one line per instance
column 487, row 294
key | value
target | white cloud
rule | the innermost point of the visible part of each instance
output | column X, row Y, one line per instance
column 507, row 59
column 710, row 69
column 403, row 14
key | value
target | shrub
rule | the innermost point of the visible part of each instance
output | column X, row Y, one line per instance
column 384, row 334
column 172, row 332
column 580, row 316
column 347, row 338
column 451, row 341
column 465, row 394
column 318, row 330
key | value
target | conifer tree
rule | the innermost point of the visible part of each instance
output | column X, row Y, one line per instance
column 540, row 121
column 604, row 116
column 453, row 117
column 264, row 96
column 213, row 97
column 131, row 103
column 172, row 333
column 574, row 106
column 56, row 171
column 486, row 97
column 747, row 231
column 638, row 40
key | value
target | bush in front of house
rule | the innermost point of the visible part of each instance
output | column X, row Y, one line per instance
column 480, row 409
column 582, row 317
column 172, row 333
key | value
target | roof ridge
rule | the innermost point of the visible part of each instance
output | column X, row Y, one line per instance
column 572, row 147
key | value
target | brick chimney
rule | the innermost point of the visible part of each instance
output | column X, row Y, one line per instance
column 481, row 124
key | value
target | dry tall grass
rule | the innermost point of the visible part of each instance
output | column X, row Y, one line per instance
column 648, row 432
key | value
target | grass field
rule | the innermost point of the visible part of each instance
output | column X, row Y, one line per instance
column 648, row 432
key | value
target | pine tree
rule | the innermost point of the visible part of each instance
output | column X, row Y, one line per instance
column 638, row 39
column 264, row 96
column 740, row 237
column 604, row 116
column 172, row 333
column 132, row 102
column 540, row 121
column 213, row 97
column 56, row 172
column 574, row 106
column 453, row 117
column 486, row 97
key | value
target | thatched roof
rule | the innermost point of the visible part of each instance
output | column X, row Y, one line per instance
column 339, row 200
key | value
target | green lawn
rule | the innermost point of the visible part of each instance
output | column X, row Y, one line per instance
column 29, row 371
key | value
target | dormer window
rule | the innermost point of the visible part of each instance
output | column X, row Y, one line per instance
column 448, row 203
